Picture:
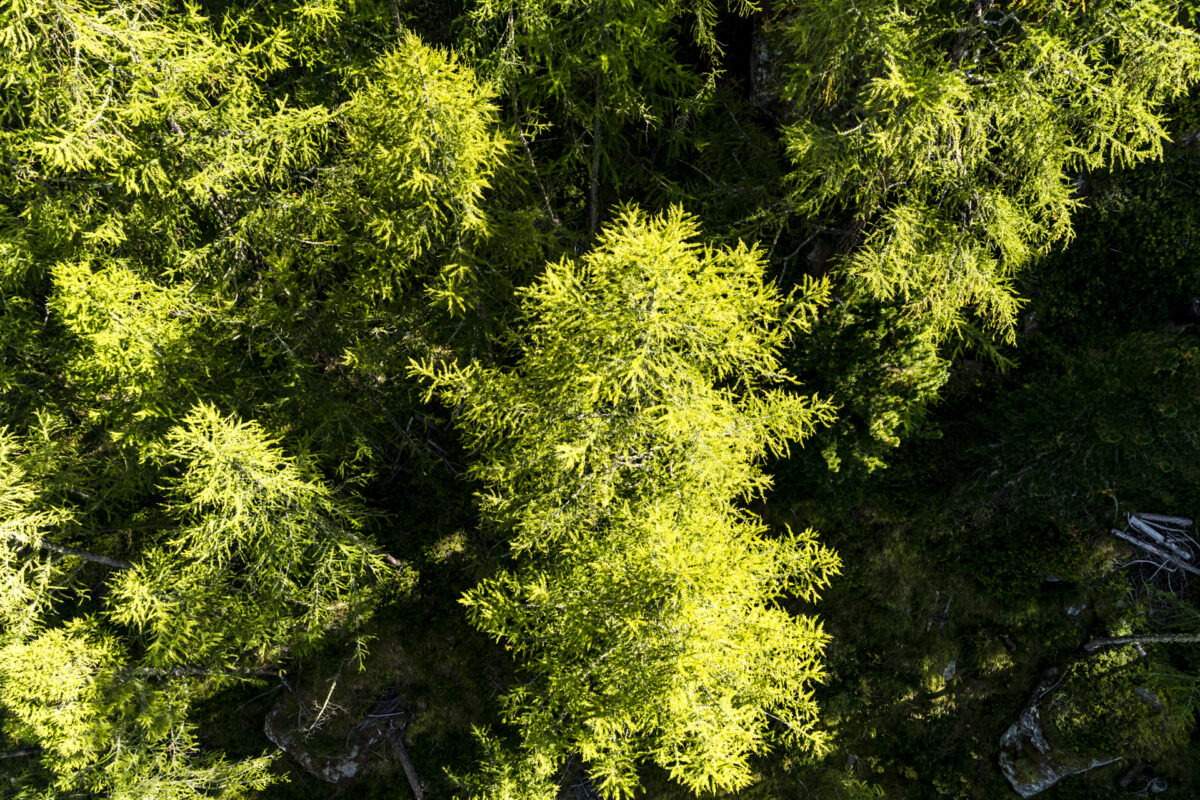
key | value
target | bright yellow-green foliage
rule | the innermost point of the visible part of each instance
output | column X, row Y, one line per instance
column 122, row 94
column 419, row 149
column 28, row 578
column 104, row 727
column 642, row 603
column 239, row 208
column 56, row 683
column 422, row 143
column 148, row 158
column 948, row 137
column 135, row 337
column 265, row 555
column 257, row 558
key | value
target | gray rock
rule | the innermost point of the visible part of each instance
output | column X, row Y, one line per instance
column 1027, row 759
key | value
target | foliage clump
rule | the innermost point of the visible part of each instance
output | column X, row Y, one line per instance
column 264, row 556
column 106, row 727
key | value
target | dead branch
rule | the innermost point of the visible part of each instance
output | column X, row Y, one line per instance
column 27, row 751
column 1161, row 638
column 410, row 772
column 1149, row 548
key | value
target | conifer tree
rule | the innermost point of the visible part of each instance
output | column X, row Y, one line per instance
column 945, row 142
column 240, row 208
column 228, row 229
column 642, row 602
column 256, row 559
column 209, row 198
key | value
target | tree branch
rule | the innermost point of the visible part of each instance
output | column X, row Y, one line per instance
column 595, row 187
column 28, row 751
column 62, row 549
column 414, row 781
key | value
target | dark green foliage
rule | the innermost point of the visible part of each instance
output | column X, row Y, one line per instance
column 1142, row 273
column 1101, row 426
column 885, row 371
column 1120, row 702
column 949, row 554
column 597, row 79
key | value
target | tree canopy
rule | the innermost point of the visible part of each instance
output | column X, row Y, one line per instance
column 512, row 379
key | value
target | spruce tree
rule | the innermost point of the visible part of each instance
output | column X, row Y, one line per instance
column 264, row 557
column 253, row 560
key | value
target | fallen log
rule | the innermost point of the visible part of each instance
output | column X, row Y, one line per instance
column 1159, row 538
column 1163, row 519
